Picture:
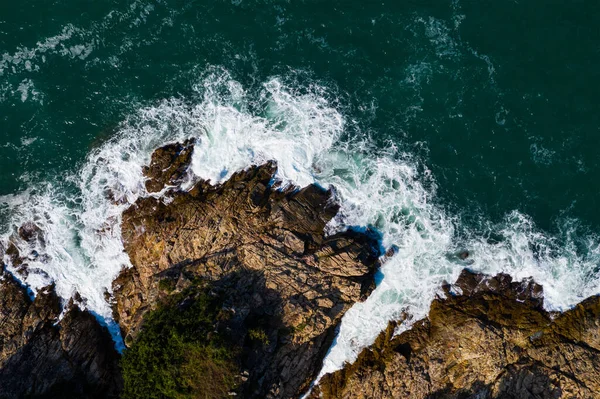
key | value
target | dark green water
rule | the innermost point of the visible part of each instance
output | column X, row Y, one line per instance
column 500, row 99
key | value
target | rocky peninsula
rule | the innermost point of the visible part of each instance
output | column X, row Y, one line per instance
column 235, row 290
column 283, row 285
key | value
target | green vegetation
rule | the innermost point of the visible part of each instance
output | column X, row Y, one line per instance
column 167, row 285
column 178, row 355
column 300, row 327
column 258, row 334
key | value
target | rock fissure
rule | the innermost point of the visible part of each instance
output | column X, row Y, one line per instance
column 265, row 235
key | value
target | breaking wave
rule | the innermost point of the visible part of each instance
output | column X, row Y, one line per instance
column 299, row 127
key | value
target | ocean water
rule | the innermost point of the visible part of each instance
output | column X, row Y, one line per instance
column 446, row 125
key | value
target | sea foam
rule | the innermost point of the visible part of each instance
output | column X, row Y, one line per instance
column 298, row 127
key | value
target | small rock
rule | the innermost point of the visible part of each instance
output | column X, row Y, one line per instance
column 30, row 231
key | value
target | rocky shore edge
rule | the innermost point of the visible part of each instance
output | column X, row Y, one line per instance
column 489, row 337
column 235, row 290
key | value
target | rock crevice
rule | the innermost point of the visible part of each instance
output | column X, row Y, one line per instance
column 280, row 287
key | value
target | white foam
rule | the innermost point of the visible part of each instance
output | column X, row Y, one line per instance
column 28, row 57
column 71, row 42
column 27, row 90
column 294, row 130
column 80, row 214
column 299, row 129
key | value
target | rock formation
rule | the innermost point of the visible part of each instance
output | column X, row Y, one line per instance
column 168, row 166
column 44, row 355
column 489, row 338
column 263, row 250
column 278, row 288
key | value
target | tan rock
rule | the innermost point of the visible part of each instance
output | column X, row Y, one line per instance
column 493, row 341
column 265, row 252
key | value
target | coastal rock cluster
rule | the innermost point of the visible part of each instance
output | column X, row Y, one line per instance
column 279, row 287
column 48, row 351
column 488, row 338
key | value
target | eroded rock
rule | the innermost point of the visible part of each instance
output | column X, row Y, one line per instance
column 168, row 165
column 42, row 356
column 30, row 232
column 265, row 252
column 490, row 338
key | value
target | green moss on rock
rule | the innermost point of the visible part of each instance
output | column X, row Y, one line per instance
column 259, row 335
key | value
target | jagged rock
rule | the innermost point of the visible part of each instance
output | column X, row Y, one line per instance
column 30, row 232
column 265, row 252
column 14, row 255
column 490, row 338
column 168, row 165
column 41, row 356
column 283, row 287
column 31, row 236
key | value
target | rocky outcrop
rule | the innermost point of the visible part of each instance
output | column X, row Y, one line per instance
column 44, row 355
column 263, row 250
column 271, row 289
column 168, row 166
column 489, row 338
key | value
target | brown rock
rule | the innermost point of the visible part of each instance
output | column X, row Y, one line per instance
column 14, row 255
column 30, row 232
column 168, row 166
column 492, row 339
column 41, row 356
column 265, row 252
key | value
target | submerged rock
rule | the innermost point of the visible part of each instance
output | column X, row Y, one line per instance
column 42, row 355
column 489, row 338
column 285, row 285
column 30, row 236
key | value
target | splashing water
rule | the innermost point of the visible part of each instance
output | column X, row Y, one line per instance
column 80, row 214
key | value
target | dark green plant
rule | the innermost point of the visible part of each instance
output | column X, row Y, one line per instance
column 178, row 355
column 258, row 334
column 167, row 285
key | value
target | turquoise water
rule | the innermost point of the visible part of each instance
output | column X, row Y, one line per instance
column 446, row 124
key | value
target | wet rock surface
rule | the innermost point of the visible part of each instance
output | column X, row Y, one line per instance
column 43, row 355
column 261, row 249
column 168, row 165
column 489, row 338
